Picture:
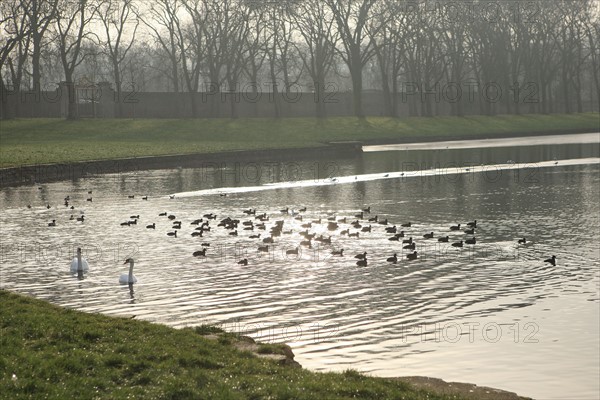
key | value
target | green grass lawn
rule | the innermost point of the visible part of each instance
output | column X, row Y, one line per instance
column 39, row 141
column 51, row 352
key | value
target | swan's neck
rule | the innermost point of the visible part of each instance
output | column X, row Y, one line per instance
column 131, row 271
column 79, row 263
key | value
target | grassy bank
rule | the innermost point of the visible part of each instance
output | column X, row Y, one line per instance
column 39, row 141
column 50, row 352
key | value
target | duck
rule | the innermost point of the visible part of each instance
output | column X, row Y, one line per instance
column 53, row 223
column 455, row 227
column 234, row 233
column 292, row 251
column 412, row 256
column 443, row 239
column 126, row 223
column 171, row 217
column 428, row 235
column 338, row 252
column 522, row 241
column 131, row 196
column 471, row 241
column 200, row 253
column 138, row 217
column 457, row 244
column 410, row 246
column 174, row 233
column 268, row 239
column 362, row 263
column 162, row 214
column 243, row 261
column 151, row 226
column 255, row 236
column 469, row 231
column 89, row 199
column 407, row 225
column 393, row 259
column 361, row 256
column 145, row 198
column 81, row 219
column 551, row 260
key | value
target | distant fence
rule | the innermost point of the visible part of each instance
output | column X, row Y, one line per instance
column 100, row 101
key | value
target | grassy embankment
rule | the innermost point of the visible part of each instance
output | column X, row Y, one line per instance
column 39, row 141
column 51, row 352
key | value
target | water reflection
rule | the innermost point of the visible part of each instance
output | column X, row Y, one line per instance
column 413, row 318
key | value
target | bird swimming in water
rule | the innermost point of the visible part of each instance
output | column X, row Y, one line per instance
column 551, row 260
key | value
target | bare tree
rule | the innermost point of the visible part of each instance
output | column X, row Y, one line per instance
column 116, row 16
column 72, row 18
column 316, row 26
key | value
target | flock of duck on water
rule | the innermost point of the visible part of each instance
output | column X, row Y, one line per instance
column 362, row 224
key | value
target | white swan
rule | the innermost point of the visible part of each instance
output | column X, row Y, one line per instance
column 128, row 279
column 79, row 264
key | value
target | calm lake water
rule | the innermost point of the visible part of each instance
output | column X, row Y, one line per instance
column 492, row 313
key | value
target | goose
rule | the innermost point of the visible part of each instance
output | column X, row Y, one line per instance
column 171, row 196
column 410, row 246
column 303, row 209
column 551, row 260
column 361, row 256
column 307, row 225
column 285, row 210
column 386, row 175
column 443, row 239
column 196, row 221
column 471, row 241
column 79, row 264
column 355, row 234
column 374, row 219
column 89, row 191
column 126, row 223
column 89, row 199
column 145, row 198
column 384, row 222
column 48, row 206
column 360, row 215
column 412, row 256
column 366, row 229
column 393, row 259
column 255, row 236
column 205, row 244
column 455, row 227
column 344, row 232
column 162, row 214
column 469, row 231
column 523, row 241
column 332, row 226
column 342, row 220
column 128, row 279
column 195, row 234
column 395, row 238
column 367, row 210
column 71, row 218
column 234, row 233
column 152, row 226
column 428, row 235
column 362, row 263
column 137, row 217
column 264, row 249
column 200, row 253
column 171, row 217
column 457, row 244
column 28, row 205
column 81, row 219
column 53, row 223
column 407, row 241
column 268, row 239
column 472, row 224
column 131, row 196
column 249, row 211
column 243, row 262
column 338, row 252
column 174, row 234
column 406, row 225
column 307, row 243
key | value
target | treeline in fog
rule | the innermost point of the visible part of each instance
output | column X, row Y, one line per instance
column 510, row 56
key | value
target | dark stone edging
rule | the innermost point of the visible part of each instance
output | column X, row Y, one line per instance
column 44, row 173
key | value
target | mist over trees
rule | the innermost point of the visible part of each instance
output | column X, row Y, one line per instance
column 525, row 56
